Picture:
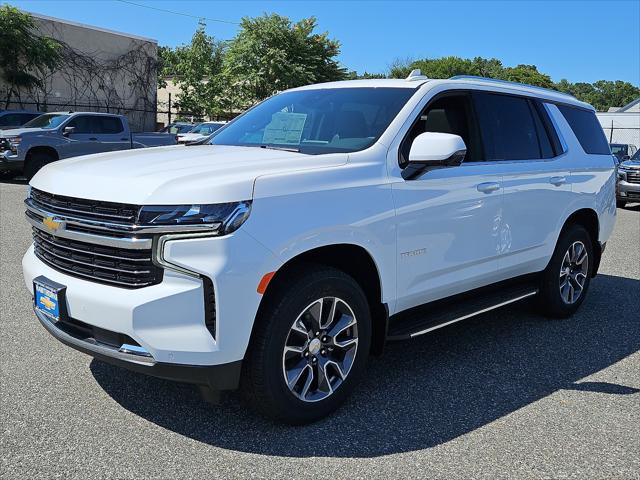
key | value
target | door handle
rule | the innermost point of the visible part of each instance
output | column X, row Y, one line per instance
column 93, row 139
column 557, row 181
column 488, row 187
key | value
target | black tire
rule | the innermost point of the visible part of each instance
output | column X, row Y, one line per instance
column 550, row 299
column 620, row 203
column 35, row 162
column 263, row 384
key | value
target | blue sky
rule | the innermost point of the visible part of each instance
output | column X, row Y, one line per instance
column 577, row 40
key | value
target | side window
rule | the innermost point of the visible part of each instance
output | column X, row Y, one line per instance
column 451, row 113
column 11, row 119
column 587, row 129
column 509, row 128
column 81, row 124
column 25, row 117
column 106, row 125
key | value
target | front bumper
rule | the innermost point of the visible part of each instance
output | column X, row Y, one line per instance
column 167, row 320
column 628, row 191
column 10, row 162
column 216, row 377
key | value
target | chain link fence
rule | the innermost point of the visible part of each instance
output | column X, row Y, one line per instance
column 624, row 135
column 140, row 119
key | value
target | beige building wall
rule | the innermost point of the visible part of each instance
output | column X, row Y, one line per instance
column 102, row 71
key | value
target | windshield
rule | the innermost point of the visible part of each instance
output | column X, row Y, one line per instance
column 618, row 149
column 317, row 121
column 47, row 121
column 206, row 128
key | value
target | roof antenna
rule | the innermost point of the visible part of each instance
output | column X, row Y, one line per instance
column 416, row 74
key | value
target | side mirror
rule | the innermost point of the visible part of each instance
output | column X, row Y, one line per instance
column 67, row 131
column 431, row 150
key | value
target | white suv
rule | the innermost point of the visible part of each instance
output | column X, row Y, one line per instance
column 281, row 255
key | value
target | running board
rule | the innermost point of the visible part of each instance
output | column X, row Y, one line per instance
column 435, row 315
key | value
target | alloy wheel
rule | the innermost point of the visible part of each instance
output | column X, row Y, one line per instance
column 320, row 349
column 573, row 272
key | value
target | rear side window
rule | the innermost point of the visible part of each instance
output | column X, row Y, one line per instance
column 106, row 125
column 509, row 128
column 587, row 129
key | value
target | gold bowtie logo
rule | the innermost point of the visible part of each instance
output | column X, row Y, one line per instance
column 46, row 301
column 52, row 223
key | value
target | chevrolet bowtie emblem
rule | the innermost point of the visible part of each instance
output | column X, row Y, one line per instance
column 52, row 223
column 47, row 302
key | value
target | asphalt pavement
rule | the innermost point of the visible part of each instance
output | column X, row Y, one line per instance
column 507, row 394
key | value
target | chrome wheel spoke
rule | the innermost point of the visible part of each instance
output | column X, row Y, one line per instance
column 295, row 373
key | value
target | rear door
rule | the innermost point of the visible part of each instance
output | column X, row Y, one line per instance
column 518, row 133
column 110, row 132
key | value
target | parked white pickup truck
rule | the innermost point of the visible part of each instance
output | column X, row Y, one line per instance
column 315, row 227
column 54, row 136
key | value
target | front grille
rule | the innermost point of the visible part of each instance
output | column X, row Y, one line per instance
column 633, row 176
column 109, row 265
column 85, row 209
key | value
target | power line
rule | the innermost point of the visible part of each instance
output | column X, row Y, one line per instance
column 179, row 13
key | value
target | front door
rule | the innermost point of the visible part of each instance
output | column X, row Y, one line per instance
column 448, row 220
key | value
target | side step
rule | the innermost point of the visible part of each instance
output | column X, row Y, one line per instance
column 438, row 314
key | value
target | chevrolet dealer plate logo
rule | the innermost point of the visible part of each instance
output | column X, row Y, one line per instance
column 52, row 223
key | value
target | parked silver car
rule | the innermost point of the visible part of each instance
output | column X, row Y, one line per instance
column 628, row 187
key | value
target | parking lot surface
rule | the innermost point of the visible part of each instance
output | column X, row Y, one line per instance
column 507, row 394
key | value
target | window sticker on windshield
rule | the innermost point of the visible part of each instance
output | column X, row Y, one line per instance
column 284, row 128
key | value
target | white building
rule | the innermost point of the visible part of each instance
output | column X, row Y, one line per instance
column 623, row 124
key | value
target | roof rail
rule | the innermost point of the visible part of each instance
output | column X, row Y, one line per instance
column 509, row 82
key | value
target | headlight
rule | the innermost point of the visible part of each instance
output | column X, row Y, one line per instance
column 224, row 217
column 13, row 143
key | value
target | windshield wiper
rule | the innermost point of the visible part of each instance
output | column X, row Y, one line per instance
column 286, row 149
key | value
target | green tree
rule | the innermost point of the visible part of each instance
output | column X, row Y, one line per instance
column 270, row 54
column 25, row 55
column 197, row 68
column 167, row 64
column 528, row 74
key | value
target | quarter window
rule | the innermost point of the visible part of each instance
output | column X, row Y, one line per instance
column 587, row 129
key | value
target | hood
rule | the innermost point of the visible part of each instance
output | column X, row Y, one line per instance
column 173, row 175
column 21, row 131
column 634, row 164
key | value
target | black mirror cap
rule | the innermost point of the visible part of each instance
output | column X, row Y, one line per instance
column 415, row 169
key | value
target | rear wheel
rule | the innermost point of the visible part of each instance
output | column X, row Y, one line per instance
column 566, row 279
column 310, row 346
column 35, row 162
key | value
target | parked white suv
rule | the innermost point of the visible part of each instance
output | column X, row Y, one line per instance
column 308, row 232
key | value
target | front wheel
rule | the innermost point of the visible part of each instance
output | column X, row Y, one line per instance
column 620, row 203
column 310, row 346
column 566, row 279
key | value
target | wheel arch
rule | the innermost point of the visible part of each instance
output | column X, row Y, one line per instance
column 44, row 149
column 355, row 261
column 588, row 218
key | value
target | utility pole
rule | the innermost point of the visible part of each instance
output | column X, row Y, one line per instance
column 169, row 122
